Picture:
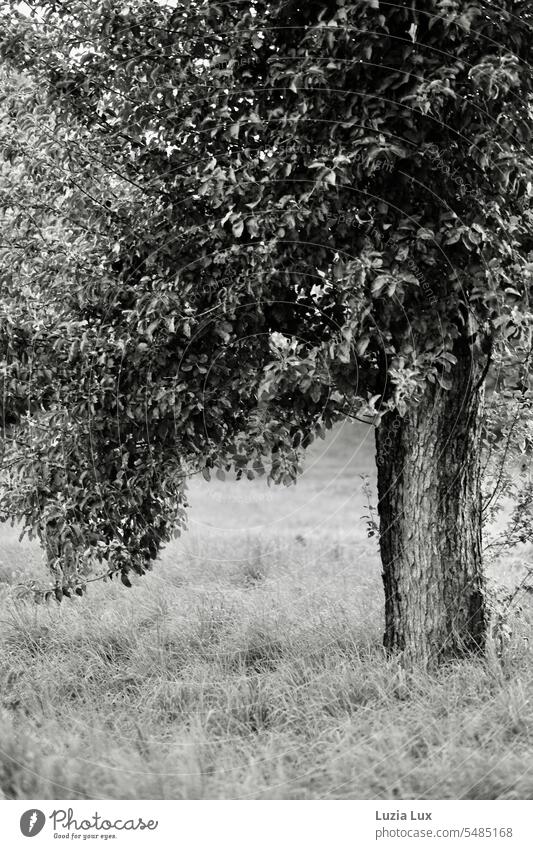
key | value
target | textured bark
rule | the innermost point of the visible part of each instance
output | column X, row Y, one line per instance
column 430, row 521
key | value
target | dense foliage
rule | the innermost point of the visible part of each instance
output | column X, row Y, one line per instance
column 239, row 223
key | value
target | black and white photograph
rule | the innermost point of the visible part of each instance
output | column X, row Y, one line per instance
column 266, row 417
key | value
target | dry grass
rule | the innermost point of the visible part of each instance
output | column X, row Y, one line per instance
column 249, row 666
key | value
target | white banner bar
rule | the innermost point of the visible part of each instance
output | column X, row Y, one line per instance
column 267, row 824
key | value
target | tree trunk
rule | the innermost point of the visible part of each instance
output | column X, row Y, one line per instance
column 430, row 521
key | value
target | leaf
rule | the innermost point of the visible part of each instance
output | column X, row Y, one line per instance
column 379, row 284
column 316, row 392
column 445, row 382
column 252, row 226
column 238, row 228
column 361, row 345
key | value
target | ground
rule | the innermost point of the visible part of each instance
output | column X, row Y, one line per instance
column 249, row 665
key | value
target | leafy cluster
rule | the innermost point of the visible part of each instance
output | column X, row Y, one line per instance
column 259, row 217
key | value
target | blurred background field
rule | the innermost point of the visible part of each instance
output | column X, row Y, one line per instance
column 249, row 664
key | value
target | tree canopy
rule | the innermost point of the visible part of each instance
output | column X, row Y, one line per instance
column 240, row 223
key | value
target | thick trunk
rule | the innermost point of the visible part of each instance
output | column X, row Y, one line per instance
column 430, row 522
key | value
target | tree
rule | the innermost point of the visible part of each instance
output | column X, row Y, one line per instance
column 304, row 211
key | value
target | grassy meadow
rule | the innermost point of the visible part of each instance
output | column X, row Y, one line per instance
column 248, row 665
